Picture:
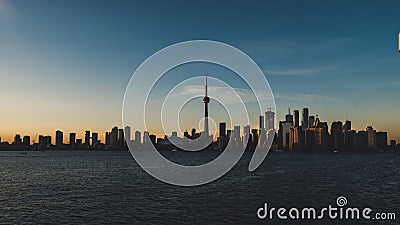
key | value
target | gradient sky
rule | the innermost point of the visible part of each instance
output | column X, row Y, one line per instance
column 65, row 64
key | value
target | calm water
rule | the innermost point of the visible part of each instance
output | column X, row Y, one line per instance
column 109, row 188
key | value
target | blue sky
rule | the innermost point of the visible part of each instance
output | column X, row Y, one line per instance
column 65, row 64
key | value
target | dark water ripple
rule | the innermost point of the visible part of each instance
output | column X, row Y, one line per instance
column 110, row 188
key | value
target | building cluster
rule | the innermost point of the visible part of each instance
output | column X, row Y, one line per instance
column 312, row 134
column 294, row 134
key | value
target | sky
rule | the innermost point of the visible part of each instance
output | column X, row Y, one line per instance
column 66, row 64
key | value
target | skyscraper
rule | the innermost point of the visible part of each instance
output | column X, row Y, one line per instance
column 128, row 133
column 296, row 121
column 59, row 138
column 95, row 139
column 137, row 137
column 261, row 122
column 304, row 119
column 222, row 130
column 87, row 137
column 72, row 137
column 269, row 120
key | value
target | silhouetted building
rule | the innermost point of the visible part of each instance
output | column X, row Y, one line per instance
column 26, row 141
column 304, row 118
column 127, row 133
column 296, row 117
column 269, row 120
column 337, row 135
column 347, row 126
column 371, row 138
column 261, row 123
column 72, row 138
column 95, row 139
column 87, row 138
column 59, row 139
column 381, row 141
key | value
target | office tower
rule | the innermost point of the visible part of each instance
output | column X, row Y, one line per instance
column 138, row 135
column 314, row 139
column 26, row 141
column 153, row 139
column 114, row 136
column 381, row 140
column 254, row 133
column 349, row 139
column 347, row 126
column 304, row 119
column 361, row 140
column 87, row 137
column 337, row 135
column 193, row 133
column 121, row 138
column 72, row 137
column 284, row 129
column 127, row 133
column 146, row 137
column 311, row 121
column 59, row 138
column 246, row 134
column 269, row 120
column 371, row 133
column 95, row 139
column 206, row 100
column 261, row 122
column 296, row 118
column 17, row 139
column 289, row 117
column 237, row 132
column 222, row 130
column 107, row 137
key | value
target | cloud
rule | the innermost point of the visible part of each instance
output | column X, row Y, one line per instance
column 389, row 84
column 296, row 72
column 306, row 97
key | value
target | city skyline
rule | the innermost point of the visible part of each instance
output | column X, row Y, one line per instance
column 74, row 78
column 339, row 136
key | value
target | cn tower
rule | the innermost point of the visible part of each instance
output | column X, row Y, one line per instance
column 206, row 100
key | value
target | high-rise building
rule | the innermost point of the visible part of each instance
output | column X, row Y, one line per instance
column 254, row 133
column 371, row 138
column 237, row 132
column 296, row 122
column 121, row 138
column 72, row 138
column 347, row 126
column 269, row 120
column 289, row 117
column 304, row 118
column 138, row 135
column 59, row 138
column 381, row 140
column 222, row 130
column 311, row 121
column 26, row 141
column 336, row 135
column 127, row 133
column 95, row 139
column 114, row 136
column 87, row 138
column 261, row 123
column 17, row 139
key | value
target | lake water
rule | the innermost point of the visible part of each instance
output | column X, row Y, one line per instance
column 61, row 187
